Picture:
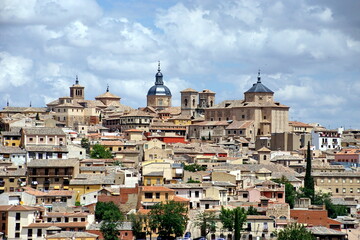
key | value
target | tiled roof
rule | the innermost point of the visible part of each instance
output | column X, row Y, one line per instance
column 17, row 208
column 108, row 95
column 299, row 124
column 92, row 179
column 189, row 90
column 156, row 189
column 10, row 150
column 20, row 172
column 53, row 163
column 211, row 123
column 46, row 148
column 73, row 235
column 240, row 124
column 325, row 231
column 57, row 224
column 49, row 193
column 43, row 131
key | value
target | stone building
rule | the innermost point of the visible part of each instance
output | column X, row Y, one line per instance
column 259, row 106
column 193, row 102
column 159, row 95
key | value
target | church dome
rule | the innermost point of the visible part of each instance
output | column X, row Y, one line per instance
column 159, row 89
column 258, row 87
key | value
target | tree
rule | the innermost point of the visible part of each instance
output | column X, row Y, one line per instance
column 193, row 181
column 333, row 210
column 206, row 221
column 294, row 232
column 137, row 223
column 233, row 220
column 111, row 223
column 99, row 151
column 194, row 167
column 85, row 144
column 111, row 219
column 252, row 211
column 309, row 188
column 100, row 117
column 290, row 193
column 169, row 218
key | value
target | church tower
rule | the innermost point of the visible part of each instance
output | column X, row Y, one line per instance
column 77, row 91
column 159, row 95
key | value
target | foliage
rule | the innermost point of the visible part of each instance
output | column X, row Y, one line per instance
column 85, row 144
column 333, row 210
column 77, row 204
column 117, row 163
column 194, row 167
column 99, row 151
column 100, row 117
column 37, row 116
column 193, row 181
column 169, row 218
column 290, row 193
column 294, row 232
column 252, row 211
column 111, row 218
column 137, row 221
column 206, row 221
column 233, row 220
column 309, row 188
column 102, row 207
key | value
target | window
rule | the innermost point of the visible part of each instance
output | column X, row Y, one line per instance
column 83, row 219
column 75, row 219
column 11, row 179
column 49, row 219
column 50, row 139
column 166, row 196
column 344, row 190
column 17, row 227
column 351, row 190
column 41, row 139
column 17, row 235
column 245, row 195
column 337, row 190
column 17, row 217
column 30, row 232
column 148, row 195
column 280, row 195
column 157, row 195
column 39, row 232
column 197, row 194
column 3, row 216
column 30, row 139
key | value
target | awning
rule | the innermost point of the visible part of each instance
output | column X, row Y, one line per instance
column 2, row 188
column 66, row 187
column 57, row 187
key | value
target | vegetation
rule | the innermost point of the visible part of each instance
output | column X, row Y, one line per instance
column 252, row 211
column 168, row 218
column 85, row 144
column 233, row 220
column 309, row 188
column 117, row 163
column 333, row 210
column 111, row 218
column 294, row 232
column 77, row 204
column 290, row 193
column 193, row 181
column 206, row 221
column 99, row 151
column 194, row 167
column 137, row 223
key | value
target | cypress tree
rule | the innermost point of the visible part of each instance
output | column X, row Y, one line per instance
column 309, row 188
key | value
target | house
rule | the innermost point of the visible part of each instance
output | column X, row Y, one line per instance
column 12, row 179
column 326, row 139
column 192, row 191
column 52, row 174
column 314, row 217
column 259, row 227
column 72, row 235
column 15, row 155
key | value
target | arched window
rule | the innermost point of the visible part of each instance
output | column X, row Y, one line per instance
column 193, row 102
column 211, row 103
column 185, row 102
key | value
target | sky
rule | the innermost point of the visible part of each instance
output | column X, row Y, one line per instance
column 308, row 51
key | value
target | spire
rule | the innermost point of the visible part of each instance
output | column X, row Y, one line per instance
column 30, row 104
column 77, row 80
column 7, row 103
column 159, row 76
column 107, row 89
column 259, row 78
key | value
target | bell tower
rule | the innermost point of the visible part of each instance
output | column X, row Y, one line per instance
column 77, row 91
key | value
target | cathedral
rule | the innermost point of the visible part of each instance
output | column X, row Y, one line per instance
column 159, row 95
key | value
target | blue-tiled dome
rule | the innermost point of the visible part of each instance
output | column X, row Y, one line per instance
column 159, row 89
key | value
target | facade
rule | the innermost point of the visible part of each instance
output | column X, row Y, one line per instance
column 326, row 139
column 258, row 106
column 193, row 102
column 159, row 95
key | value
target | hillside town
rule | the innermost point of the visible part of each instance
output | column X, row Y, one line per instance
column 221, row 169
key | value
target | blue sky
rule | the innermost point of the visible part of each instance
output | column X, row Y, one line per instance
column 308, row 51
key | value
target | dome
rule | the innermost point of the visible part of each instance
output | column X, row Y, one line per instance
column 159, row 90
column 258, row 87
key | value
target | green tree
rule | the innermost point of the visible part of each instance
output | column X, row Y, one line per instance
column 112, row 220
column 102, row 207
column 333, row 210
column 192, row 181
column 137, row 221
column 309, row 188
column 99, row 151
column 290, row 193
column 194, row 167
column 169, row 218
column 252, row 211
column 233, row 220
column 85, row 144
column 294, row 232
column 206, row 221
